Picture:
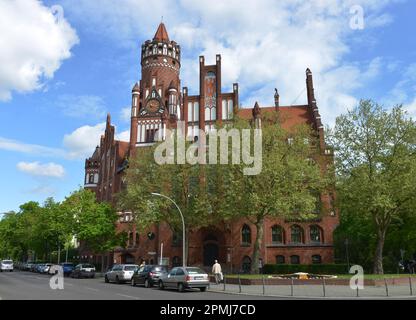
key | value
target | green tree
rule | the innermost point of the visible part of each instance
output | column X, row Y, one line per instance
column 376, row 167
column 183, row 183
column 95, row 223
column 288, row 184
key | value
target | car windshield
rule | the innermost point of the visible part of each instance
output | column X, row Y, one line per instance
column 130, row 268
column 7, row 262
column 194, row 271
column 87, row 266
column 68, row 264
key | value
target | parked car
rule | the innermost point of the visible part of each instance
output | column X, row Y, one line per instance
column 39, row 267
column 83, row 270
column 45, row 268
column 120, row 273
column 182, row 278
column 68, row 268
column 148, row 275
column 6, row 265
column 34, row 267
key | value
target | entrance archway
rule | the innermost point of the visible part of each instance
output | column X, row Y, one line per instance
column 211, row 253
column 211, row 249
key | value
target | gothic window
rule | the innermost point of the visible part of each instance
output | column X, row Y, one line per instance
column 227, row 109
column 280, row 259
column 297, row 234
column 294, row 259
column 316, row 259
column 246, row 264
column 246, row 235
column 277, row 235
column 316, row 234
column 172, row 104
column 210, row 96
column 176, row 238
column 91, row 179
column 130, row 241
column 176, row 261
column 165, row 50
column 137, row 239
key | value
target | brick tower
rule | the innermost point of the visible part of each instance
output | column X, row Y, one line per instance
column 156, row 99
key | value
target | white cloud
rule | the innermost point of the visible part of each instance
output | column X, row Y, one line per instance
column 34, row 40
column 123, row 136
column 51, row 169
column 81, row 143
column 125, row 114
column 264, row 43
column 33, row 149
column 81, row 106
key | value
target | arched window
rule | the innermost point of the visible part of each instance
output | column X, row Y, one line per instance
column 316, row 234
column 294, row 259
column 297, row 234
column 280, row 259
column 316, row 259
column 176, row 238
column 176, row 261
column 137, row 239
column 277, row 235
column 130, row 242
column 246, row 235
column 246, row 264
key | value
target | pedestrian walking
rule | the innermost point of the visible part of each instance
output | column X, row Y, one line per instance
column 216, row 270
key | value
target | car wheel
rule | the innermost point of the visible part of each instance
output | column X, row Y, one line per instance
column 117, row 280
column 203, row 289
column 106, row 279
column 161, row 285
column 147, row 283
column 133, row 282
column 180, row 287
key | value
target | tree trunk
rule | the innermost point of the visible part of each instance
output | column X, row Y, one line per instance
column 257, row 246
column 378, row 257
column 102, row 263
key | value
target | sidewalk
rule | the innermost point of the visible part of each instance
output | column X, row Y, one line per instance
column 315, row 291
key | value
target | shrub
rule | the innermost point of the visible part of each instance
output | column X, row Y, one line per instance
column 307, row 268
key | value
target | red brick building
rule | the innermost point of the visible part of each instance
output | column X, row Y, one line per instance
column 157, row 104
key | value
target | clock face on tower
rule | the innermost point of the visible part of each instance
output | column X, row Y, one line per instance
column 153, row 105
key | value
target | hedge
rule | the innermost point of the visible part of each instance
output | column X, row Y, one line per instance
column 328, row 269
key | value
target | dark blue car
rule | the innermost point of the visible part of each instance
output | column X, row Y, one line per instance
column 68, row 268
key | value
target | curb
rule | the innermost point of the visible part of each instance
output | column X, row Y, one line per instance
column 313, row 298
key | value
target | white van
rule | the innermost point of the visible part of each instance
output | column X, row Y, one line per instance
column 6, row 265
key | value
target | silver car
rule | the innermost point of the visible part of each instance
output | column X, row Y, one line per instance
column 6, row 265
column 120, row 273
column 185, row 278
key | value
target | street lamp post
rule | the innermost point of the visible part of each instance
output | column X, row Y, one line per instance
column 348, row 256
column 183, row 226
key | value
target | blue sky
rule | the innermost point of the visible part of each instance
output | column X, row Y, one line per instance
column 67, row 63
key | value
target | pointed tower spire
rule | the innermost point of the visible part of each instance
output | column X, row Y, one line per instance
column 161, row 33
column 256, row 110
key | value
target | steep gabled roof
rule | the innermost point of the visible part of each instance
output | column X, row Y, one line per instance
column 161, row 33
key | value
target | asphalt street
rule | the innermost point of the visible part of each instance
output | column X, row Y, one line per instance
column 31, row 286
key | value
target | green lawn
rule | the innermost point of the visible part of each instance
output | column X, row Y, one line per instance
column 341, row 276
